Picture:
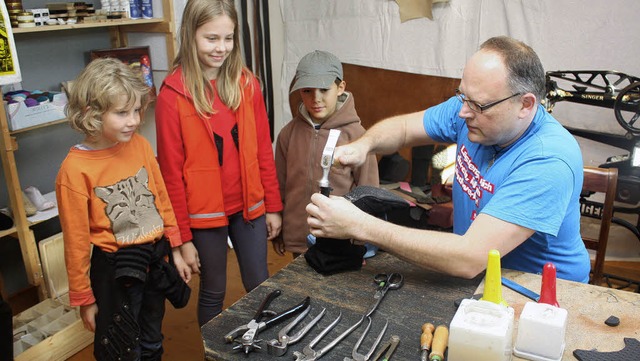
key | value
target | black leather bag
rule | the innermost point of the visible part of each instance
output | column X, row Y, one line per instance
column 329, row 256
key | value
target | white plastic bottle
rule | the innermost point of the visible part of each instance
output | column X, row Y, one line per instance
column 481, row 331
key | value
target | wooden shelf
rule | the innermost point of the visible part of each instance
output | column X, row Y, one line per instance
column 40, row 216
column 118, row 31
column 97, row 24
column 43, row 125
column 7, row 232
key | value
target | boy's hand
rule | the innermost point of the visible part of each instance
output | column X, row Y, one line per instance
column 274, row 225
column 190, row 256
column 278, row 245
column 88, row 314
column 183, row 268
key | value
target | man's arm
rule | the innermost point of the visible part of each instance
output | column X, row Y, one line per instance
column 384, row 137
column 457, row 255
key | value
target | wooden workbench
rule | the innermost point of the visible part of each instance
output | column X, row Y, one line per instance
column 588, row 307
column 425, row 297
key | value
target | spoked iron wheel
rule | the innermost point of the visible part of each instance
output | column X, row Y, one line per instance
column 627, row 108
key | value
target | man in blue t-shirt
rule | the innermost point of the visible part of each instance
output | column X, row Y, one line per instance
column 517, row 182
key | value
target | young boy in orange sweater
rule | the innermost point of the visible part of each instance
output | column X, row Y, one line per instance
column 111, row 195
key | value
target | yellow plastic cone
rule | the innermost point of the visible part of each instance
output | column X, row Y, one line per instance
column 493, row 280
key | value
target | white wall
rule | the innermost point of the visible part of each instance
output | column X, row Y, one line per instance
column 277, row 55
column 567, row 35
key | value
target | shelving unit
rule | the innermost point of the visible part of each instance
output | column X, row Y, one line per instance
column 118, row 31
column 98, row 24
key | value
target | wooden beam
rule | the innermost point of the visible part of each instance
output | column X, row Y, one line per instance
column 25, row 235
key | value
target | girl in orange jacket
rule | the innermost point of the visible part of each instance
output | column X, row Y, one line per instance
column 215, row 153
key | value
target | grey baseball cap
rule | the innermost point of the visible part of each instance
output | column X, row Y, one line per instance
column 318, row 69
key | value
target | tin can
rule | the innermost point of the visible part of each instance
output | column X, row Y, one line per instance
column 147, row 9
column 135, row 9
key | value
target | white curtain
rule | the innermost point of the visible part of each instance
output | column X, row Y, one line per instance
column 566, row 34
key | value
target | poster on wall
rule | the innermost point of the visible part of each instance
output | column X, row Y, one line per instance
column 9, row 67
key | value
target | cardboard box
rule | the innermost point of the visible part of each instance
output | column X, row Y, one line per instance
column 20, row 116
column 50, row 330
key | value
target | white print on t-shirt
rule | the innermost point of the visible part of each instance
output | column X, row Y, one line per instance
column 469, row 178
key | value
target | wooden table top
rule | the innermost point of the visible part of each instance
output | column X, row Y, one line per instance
column 588, row 307
column 425, row 297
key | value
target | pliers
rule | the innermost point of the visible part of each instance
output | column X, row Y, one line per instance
column 249, row 331
column 278, row 347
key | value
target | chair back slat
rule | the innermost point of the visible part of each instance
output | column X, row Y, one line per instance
column 600, row 180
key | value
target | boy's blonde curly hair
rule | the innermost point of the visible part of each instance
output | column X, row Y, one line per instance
column 98, row 88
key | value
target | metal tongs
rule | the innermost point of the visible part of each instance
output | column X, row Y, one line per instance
column 249, row 331
column 355, row 355
column 309, row 354
column 278, row 347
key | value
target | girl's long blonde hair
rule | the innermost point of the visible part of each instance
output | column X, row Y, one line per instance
column 197, row 13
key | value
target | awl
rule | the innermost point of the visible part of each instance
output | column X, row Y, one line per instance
column 425, row 340
column 439, row 344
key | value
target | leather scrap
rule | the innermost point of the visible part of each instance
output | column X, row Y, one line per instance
column 630, row 352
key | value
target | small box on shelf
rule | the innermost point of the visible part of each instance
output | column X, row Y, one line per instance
column 21, row 116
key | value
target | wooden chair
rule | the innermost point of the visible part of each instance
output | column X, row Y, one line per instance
column 598, row 180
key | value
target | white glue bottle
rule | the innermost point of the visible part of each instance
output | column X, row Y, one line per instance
column 542, row 325
column 482, row 330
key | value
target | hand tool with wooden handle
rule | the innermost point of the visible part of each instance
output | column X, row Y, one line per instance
column 439, row 344
column 425, row 340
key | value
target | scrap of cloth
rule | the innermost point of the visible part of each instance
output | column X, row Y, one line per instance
column 414, row 9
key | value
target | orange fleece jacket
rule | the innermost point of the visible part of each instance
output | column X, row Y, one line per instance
column 188, row 157
column 111, row 198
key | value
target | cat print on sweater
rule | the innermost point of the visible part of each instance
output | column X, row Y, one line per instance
column 131, row 208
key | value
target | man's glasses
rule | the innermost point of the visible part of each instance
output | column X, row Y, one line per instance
column 479, row 108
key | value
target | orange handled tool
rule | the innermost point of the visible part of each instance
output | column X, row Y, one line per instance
column 439, row 345
column 425, row 340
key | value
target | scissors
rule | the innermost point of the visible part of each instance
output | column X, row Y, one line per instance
column 385, row 283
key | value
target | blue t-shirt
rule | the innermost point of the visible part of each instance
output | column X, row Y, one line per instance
column 535, row 182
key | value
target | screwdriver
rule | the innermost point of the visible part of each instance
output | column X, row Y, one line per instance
column 440, row 341
column 425, row 340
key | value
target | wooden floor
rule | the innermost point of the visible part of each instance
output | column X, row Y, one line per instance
column 180, row 327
